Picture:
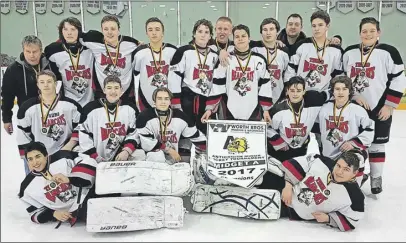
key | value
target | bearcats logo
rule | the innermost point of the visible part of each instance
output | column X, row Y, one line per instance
column 334, row 135
column 275, row 74
column 80, row 78
column 315, row 192
column 316, row 69
column 362, row 76
column 160, row 78
column 62, row 191
column 204, row 77
column 296, row 133
column 244, row 81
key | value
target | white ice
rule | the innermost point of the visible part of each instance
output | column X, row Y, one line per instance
column 382, row 222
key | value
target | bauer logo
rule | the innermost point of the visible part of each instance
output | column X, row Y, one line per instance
column 113, row 227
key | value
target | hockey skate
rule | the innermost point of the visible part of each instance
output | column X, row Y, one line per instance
column 146, row 177
column 113, row 214
column 237, row 202
column 376, row 185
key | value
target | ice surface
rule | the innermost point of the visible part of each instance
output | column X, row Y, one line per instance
column 382, row 222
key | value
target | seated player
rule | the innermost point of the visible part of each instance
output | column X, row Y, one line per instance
column 57, row 185
column 319, row 188
column 107, row 126
column 160, row 129
column 49, row 118
column 344, row 125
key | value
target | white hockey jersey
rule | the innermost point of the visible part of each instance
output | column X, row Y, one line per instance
column 75, row 72
column 151, row 71
column 151, row 135
column 314, row 190
column 186, row 71
column 114, row 61
column 350, row 123
column 381, row 80
column 305, row 62
column 289, row 128
column 245, row 86
column 102, row 136
column 57, row 128
column 42, row 196
column 277, row 63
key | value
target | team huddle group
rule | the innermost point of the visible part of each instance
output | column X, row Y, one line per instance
column 297, row 84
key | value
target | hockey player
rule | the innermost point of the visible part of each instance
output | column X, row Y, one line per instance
column 277, row 58
column 57, row 185
column 314, row 58
column 113, row 55
column 319, row 188
column 49, row 118
column 292, row 120
column 245, row 82
column 222, row 44
column 378, row 79
column 191, row 74
column 152, row 63
column 160, row 129
column 71, row 62
column 107, row 127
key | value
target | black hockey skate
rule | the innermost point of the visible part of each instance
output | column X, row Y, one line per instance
column 376, row 185
column 364, row 179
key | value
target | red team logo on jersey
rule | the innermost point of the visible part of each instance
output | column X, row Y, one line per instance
column 80, row 78
column 316, row 192
column 316, row 69
column 160, row 77
column 170, row 139
column 275, row 74
column 244, row 80
column 362, row 75
column 334, row 134
column 296, row 132
column 204, row 77
column 106, row 60
column 53, row 126
column 61, row 191
column 118, row 129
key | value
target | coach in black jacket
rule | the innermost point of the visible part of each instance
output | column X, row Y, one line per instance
column 20, row 78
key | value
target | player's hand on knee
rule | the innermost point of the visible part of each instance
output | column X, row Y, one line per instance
column 174, row 154
column 287, row 193
column 385, row 113
column 60, row 178
column 206, row 116
column 62, row 215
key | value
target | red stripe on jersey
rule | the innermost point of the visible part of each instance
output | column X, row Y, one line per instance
column 176, row 101
column 292, row 170
column 344, row 223
column 75, row 134
column 359, row 145
column 202, row 147
column 21, row 151
column 393, row 99
column 212, row 102
column 377, row 160
column 130, row 146
column 265, row 103
column 360, row 173
column 34, row 218
column 94, row 155
column 279, row 141
column 81, row 169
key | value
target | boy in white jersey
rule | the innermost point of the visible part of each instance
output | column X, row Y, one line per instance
column 151, row 63
column 378, row 77
column 314, row 58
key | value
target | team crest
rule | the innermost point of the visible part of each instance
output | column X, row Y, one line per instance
column 79, row 84
column 360, row 82
column 242, row 86
column 159, row 80
column 238, row 145
column 112, row 70
column 306, row 196
column 313, row 78
column 62, row 191
column 334, row 136
column 204, row 83
column 54, row 131
column 114, row 142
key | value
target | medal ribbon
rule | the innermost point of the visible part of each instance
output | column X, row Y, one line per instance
column 369, row 54
column 163, row 127
column 111, row 123
column 246, row 65
column 45, row 118
column 337, row 122
column 268, row 54
column 200, row 60
column 71, row 55
column 114, row 61
column 296, row 118
column 219, row 48
column 317, row 50
column 39, row 69
column 157, row 64
column 47, row 175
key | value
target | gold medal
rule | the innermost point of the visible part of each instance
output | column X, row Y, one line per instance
column 201, row 64
column 202, row 75
column 111, row 123
column 113, row 60
column 75, row 65
column 157, row 64
column 47, row 175
column 320, row 67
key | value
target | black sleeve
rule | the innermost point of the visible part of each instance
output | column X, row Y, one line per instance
column 8, row 94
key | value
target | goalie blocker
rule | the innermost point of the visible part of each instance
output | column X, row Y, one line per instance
column 114, row 214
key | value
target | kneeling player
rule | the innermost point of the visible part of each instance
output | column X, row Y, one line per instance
column 160, row 129
column 107, row 126
column 319, row 188
column 57, row 185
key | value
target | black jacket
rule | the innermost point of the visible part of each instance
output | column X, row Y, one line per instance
column 284, row 38
column 19, row 81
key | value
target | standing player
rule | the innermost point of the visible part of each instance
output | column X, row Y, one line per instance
column 160, row 129
column 107, row 127
column 152, row 63
column 113, row 55
column 49, row 118
column 277, row 58
column 293, row 33
column 191, row 74
column 245, row 81
column 71, row 62
column 344, row 125
column 314, row 58
column 222, row 44
column 378, row 79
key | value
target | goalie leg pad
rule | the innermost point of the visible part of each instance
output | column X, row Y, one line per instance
column 113, row 214
column 239, row 202
column 151, row 178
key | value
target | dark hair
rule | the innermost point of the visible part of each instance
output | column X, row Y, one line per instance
column 242, row 27
column 270, row 21
column 72, row 21
column 352, row 158
column 152, row 20
column 47, row 73
column 110, row 18
column 295, row 15
column 112, row 79
column 344, row 80
column 321, row 14
column 369, row 20
column 204, row 22
column 225, row 19
column 161, row 89
column 35, row 146
column 338, row 37
column 295, row 81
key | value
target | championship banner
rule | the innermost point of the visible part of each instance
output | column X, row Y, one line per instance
column 237, row 151
column 387, row 7
column 401, row 6
column 74, row 7
column 365, row 6
column 40, row 7
column 345, row 6
column 5, row 7
column 57, row 7
column 21, row 6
